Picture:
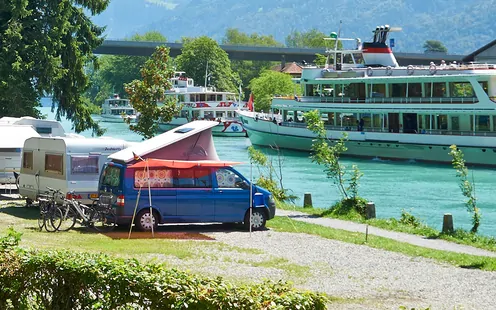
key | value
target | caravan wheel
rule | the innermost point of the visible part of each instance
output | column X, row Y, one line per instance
column 144, row 221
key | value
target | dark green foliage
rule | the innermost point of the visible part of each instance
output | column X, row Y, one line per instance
column 197, row 54
column 148, row 95
column 434, row 46
column 65, row 280
column 10, row 240
column 409, row 219
column 248, row 69
column 45, row 46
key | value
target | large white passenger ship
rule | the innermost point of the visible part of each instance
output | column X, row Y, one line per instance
column 205, row 103
column 388, row 111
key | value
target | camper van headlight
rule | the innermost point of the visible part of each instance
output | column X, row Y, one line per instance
column 272, row 201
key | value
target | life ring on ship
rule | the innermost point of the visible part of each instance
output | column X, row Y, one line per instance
column 432, row 69
column 389, row 71
column 370, row 72
column 409, row 70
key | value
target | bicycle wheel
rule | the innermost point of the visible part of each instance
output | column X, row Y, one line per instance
column 68, row 217
column 52, row 219
column 42, row 216
column 104, row 220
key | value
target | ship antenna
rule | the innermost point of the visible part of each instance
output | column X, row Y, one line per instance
column 336, row 44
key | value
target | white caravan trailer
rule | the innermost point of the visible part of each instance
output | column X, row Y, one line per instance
column 11, row 144
column 44, row 127
column 68, row 164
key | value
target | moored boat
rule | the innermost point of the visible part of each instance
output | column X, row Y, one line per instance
column 118, row 110
column 205, row 103
column 389, row 111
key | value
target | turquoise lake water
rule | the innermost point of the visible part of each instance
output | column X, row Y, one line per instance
column 425, row 190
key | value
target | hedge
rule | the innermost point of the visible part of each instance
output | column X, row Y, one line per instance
column 70, row 280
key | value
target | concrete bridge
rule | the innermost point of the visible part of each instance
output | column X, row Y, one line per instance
column 240, row 52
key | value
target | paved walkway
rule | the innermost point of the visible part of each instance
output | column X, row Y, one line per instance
column 436, row 244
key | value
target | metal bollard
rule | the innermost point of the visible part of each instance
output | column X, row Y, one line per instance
column 307, row 201
column 448, row 223
column 370, row 210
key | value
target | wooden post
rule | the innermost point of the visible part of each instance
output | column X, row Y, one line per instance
column 307, row 201
column 448, row 223
column 370, row 210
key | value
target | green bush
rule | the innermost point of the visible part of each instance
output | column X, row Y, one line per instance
column 68, row 280
column 409, row 219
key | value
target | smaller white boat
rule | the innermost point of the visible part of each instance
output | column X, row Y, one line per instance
column 117, row 110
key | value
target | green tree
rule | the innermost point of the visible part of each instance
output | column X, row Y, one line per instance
column 115, row 71
column 434, row 46
column 148, row 94
column 248, row 69
column 310, row 39
column 197, row 53
column 327, row 155
column 269, row 175
column 467, row 188
column 45, row 46
column 271, row 83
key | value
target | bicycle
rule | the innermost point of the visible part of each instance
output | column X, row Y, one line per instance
column 99, row 215
column 49, row 213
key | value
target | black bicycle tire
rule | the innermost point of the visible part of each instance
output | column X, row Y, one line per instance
column 109, row 223
column 52, row 214
column 68, row 219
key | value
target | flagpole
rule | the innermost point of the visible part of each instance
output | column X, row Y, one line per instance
column 150, row 198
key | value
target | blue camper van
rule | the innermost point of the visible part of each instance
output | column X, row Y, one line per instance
column 184, row 192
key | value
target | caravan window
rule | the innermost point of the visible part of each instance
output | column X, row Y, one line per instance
column 54, row 163
column 27, row 160
column 84, row 164
column 227, row 179
column 159, row 178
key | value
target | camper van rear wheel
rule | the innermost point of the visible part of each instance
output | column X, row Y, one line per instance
column 258, row 219
column 144, row 220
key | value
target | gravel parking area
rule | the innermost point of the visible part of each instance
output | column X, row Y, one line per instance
column 359, row 276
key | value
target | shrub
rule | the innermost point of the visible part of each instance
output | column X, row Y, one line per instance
column 68, row 280
column 409, row 219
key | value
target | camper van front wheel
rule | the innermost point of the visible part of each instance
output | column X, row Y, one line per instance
column 258, row 219
column 144, row 220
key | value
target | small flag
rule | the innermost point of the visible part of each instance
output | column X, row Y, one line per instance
column 137, row 157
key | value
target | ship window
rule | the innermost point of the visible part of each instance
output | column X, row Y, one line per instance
column 442, row 122
column 358, row 58
column 219, row 97
column 461, row 89
column 347, row 120
column 482, row 123
column 484, row 86
column 438, row 89
column 347, row 59
column 414, row 90
column 377, row 121
column 218, row 114
column 54, row 163
column 378, row 91
column 27, row 160
column 211, row 98
column 202, row 97
column 84, row 165
column 455, row 123
column 398, row 90
column 180, row 98
column 184, row 113
column 367, row 119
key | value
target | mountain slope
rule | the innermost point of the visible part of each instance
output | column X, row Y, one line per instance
column 463, row 26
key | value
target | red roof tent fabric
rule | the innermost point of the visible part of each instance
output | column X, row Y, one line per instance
column 182, row 164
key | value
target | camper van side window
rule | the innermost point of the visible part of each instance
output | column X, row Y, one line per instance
column 228, row 179
column 54, row 163
column 194, row 178
column 159, row 178
column 84, row 165
column 27, row 160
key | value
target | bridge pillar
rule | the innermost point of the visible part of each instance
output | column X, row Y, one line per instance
column 283, row 61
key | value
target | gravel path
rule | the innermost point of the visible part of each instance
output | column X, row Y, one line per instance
column 370, row 278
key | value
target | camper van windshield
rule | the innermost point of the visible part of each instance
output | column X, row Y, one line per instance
column 111, row 176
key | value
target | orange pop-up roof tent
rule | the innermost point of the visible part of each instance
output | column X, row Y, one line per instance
column 182, row 164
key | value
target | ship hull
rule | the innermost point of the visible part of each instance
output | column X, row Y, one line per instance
column 375, row 145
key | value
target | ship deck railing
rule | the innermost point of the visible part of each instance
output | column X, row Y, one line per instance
column 386, row 130
column 395, row 100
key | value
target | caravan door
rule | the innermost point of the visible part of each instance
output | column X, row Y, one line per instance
column 195, row 201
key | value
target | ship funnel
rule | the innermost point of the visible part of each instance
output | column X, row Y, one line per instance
column 377, row 53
